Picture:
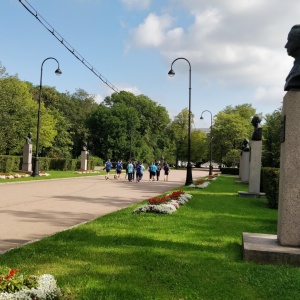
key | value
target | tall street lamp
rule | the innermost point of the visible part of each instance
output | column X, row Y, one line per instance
column 36, row 159
column 201, row 118
column 189, row 176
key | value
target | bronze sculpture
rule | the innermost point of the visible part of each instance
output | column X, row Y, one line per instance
column 28, row 138
column 257, row 133
column 245, row 146
column 293, row 49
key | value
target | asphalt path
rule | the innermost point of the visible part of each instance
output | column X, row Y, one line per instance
column 32, row 210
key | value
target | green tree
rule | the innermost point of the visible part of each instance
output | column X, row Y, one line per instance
column 232, row 158
column 179, row 135
column 17, row 114
column 128, row 122
column 271, row 140
column 231, row 126
column 199, row 149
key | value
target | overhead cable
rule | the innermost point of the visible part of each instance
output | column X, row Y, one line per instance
column 34, row 12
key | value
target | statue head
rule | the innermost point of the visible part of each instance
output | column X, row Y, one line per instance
column 245, row 145
column 28, row 138
column 256, row 121
column 293, row 43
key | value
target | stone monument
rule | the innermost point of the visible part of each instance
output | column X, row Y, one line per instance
column 245, row 157
column 255, row 161
column 284, row 248
column 84, row 157
column 27, row 154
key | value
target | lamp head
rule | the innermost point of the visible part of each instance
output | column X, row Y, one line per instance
column 171, row 73
column 58, row 72
column 201, row 118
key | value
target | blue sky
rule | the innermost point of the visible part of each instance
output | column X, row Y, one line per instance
column 235, row 48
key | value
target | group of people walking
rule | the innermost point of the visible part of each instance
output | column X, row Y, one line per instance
column 135, row 171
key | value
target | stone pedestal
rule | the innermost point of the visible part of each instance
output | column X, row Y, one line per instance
column 244, row 171
column 84, row 159
column 285, row 247
column 288, row 230
column 255, row 167
column 254, row 171
column 27, row 158
column 240, row 166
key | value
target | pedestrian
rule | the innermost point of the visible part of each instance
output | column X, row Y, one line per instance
column 149, row 169
column 119, row 168
column 158, row 168
column 153, row 171
column 134, row 170
column 138, row 172
column 167, row 171
column 130, row 171
column 108, row 166
column 142, row 170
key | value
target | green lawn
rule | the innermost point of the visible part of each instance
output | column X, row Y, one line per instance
column 194, row 253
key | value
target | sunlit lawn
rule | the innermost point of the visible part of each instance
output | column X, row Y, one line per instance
column 194, row 253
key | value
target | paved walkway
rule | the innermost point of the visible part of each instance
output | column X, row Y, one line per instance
column 32, row 210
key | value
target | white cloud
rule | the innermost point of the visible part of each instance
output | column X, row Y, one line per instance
column 132, row 89
column 152, row 31
column 269, row 95
column 137, row 4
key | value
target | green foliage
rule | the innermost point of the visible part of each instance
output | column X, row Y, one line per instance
column 230, row 171
column 10, row 163
column 231, row 126
column 126, row 123
column 232, row 158
column 270, row 185
column 12, row 281
column 16, row 114
column 271, row 140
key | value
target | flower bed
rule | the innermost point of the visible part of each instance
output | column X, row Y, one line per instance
column 14, row 285
column 166, row 204
column 20, row 175
column 203, row 182
column 86, row 172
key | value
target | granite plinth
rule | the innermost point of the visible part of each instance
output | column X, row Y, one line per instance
column 266, row 249
column 251, row 194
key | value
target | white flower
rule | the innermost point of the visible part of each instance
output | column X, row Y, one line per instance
column 47, row 289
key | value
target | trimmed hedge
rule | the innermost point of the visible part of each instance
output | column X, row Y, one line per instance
column 10, row 163
column 270, row 185
column 230, row 171
column 14, row 163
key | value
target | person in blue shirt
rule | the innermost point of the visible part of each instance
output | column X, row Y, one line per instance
column 108, row 166
column 130, row 171
column 153, row 171
column 119, row 168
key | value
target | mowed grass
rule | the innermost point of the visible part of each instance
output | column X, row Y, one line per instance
column 194, row 253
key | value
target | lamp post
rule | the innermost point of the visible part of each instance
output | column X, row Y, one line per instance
column 201, row 118
column 36, row 172
column 189, row 176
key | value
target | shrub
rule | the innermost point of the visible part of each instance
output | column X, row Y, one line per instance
column 270, row 185
column 10, row 163
column 230, row 171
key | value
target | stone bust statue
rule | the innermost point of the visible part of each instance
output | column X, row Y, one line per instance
column 245, row 145
column 257, row 133
column 293, row 49
column 28, row 138
column 84, row 146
